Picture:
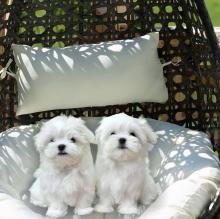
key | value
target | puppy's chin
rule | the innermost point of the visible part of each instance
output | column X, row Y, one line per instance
column 62, row 159
column 123, row 155
column 66, row 160
column 118, row 154
column 132, row 150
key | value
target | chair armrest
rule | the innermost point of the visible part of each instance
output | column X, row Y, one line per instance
column 14, row 208
column 213, row 208
column 185, row 198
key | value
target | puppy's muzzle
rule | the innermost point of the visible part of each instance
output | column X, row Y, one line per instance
column 122, row 142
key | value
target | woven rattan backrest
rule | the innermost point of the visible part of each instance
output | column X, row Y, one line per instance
column 193, row 86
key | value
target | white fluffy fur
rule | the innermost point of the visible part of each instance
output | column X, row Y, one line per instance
column 123, row 175
column 68, row 179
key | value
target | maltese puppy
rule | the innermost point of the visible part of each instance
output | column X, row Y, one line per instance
column 66, row 174
column 123, row 175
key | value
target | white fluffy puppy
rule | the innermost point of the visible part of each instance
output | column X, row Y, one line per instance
column 66, row 172
column 123, row 175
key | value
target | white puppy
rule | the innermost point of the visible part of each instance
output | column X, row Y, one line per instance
column 66, row 172
column 123, row 175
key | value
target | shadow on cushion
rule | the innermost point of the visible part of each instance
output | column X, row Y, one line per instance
column 178, row 153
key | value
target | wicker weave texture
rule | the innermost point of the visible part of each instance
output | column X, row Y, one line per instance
column 193, row 86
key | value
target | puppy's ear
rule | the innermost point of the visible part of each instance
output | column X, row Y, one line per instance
column 40, row 137
column 148, row 131
column 38, row 140
column 98, row 132
column 90, row 137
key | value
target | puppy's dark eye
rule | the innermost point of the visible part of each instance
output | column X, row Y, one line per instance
column 51, row 140
column 73, row 140
column 133, row 134
column 112, row 133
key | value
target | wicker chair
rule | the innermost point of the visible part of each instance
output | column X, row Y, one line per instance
column 186, row 33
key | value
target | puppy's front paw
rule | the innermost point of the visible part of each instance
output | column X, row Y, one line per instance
column 83, row 211
column 56, row 213
column 148, row 200
column 127, row 209
column 150, row 197
column 38, row 203
column 102, row 208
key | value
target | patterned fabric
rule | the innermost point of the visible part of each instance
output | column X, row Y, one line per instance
column 178, row 153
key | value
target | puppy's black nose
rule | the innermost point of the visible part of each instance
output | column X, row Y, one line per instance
column 122, row 140
column 61, row 147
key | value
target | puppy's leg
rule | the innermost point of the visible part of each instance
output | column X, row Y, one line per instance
column 37, row 195
column 128, row 207
column 105, row 204
column 84, row 203
column 150, row 191
column 57, row 209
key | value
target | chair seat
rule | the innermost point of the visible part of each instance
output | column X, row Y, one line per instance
column 182, row 158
